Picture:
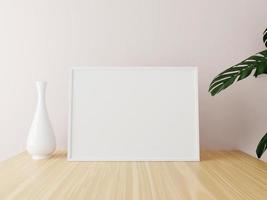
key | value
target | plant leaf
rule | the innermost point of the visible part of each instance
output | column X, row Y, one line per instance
column 265, row 37
column 262, row 146
column 245, row 73
column 257, row 62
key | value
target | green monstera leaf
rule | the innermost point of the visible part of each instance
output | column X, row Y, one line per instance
column 262, row 146
column 256, row 65
column 265, row 37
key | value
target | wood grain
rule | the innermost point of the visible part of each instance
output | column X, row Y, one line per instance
column 220, row 175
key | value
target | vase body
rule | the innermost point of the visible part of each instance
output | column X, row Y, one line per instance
column 41, row 141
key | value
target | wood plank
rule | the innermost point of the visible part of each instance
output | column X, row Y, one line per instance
column 220, row 175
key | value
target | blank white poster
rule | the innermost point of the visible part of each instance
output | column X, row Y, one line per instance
column 134, row 113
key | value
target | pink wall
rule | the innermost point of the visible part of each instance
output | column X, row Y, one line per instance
column 40, row 40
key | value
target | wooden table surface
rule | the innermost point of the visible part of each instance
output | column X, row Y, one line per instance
column 220, row 175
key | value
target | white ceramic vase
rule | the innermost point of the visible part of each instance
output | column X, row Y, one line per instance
column 41, row 141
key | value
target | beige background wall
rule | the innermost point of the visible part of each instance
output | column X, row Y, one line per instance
column 41, row 39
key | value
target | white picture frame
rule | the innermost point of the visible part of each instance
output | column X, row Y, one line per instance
column 133, row 114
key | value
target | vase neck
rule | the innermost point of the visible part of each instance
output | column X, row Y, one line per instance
column 41, row 89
